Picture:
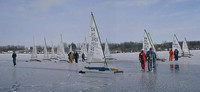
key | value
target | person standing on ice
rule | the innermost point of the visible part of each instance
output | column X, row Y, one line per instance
column 176, row 54
column 76, row 56
column 83, row 57
column 151, row 54
column 142, row 59
column 70, row 55
column 14, row 55
column 171, row 55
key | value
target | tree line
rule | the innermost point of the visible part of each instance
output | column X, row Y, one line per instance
column 137, row 46
column 114, row 47
column 11, row 48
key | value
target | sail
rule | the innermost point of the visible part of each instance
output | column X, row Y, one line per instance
column 176, row 45
column 185, row 47
column 70, row 49
column 152, row 45
column 84, row 48
column 58, row 51
column 95, row 53
column 61, row 49
column 146, row 42
column 52, row 51
column 34, row 52
column 46, row 56
column 107, row 50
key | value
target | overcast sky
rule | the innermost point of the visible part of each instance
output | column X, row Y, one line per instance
column 117, row 20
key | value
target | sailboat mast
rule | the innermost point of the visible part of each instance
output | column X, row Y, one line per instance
column 99, row 39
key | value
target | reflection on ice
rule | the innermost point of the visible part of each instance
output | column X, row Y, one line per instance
column 171, row 67
column 15, row 87
column 174, row 67
column 148, row 81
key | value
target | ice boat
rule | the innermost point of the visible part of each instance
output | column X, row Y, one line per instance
column 46, row 55
column 107, row 52
column 61, row 51
column 186, row 51
column 34, row 52
column 96, row 55
column 148, row 43
column 176, row 45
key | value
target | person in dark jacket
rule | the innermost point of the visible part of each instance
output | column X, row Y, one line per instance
column 76, row 56
column 83, row 57
column 176, row 54
column 14, row 55
column 153, row 54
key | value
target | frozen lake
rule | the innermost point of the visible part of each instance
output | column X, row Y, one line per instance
column 50, row 76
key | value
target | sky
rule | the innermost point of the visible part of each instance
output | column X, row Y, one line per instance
column 117, row 20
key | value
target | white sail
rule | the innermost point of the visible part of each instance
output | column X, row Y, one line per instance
column 107, row 50
column 52, row 51
column 185, row 48
column 146, row 42
column 176, row 45
column 84, row 48
column 70, row 49
column 58, row 51
column 46, row 56
column 34, row 51
column 95, row 53
column 61, row 49
column 152, row 45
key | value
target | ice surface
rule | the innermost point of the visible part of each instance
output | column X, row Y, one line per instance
column 50, row 76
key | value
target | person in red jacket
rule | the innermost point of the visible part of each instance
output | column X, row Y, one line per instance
column 170, row 55
column 142, row 59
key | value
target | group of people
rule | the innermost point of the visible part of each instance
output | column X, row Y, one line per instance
column 175, row 53
column 73, row 56
column 150, row 56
